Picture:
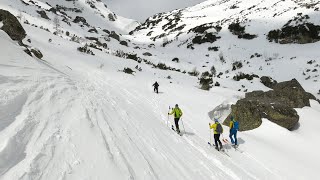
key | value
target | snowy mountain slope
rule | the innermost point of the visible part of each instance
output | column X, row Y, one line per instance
column 259, row 16
column 142, row 9
column 93, row 123
column 63, row 122
column 95, row 13
column 177, row 31
column 77, row 116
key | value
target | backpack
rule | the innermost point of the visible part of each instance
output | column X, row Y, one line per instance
column 219, row 129
column 236, row 125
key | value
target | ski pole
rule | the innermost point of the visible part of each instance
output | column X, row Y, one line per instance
column 183, row 126
column 168, row 117
column 210, row 135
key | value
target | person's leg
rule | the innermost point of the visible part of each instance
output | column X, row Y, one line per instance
column 235, row 137
column 231, row 138
column 216, row 138
column 176, row 120
column 219, row 141
column 157, row 90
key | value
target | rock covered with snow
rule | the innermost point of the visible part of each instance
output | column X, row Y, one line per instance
column 11, row 26
column 276, row 105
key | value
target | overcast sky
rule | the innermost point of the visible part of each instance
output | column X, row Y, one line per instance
column 142, row 9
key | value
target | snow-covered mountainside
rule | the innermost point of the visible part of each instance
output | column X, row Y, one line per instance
column 205, row 38
column 142, row 9
column 70, row 109
column 87, row 14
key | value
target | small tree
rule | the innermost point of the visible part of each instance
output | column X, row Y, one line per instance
column 206, row 81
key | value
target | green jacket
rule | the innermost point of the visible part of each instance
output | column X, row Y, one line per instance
column 177, row 112
column 214, row 127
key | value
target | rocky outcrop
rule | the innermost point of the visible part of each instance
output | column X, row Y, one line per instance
column 268, row 81
column 81, row 19
column 37, row 53
column 12, row 26
column 236, row 29
column 43, row 14
column 297, row 30
column 207, row 38
column 276, row 105
column 114, row 35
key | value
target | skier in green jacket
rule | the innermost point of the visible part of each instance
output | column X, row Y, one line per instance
column 177, row 115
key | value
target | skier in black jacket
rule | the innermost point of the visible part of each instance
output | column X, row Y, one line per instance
column 156, row 86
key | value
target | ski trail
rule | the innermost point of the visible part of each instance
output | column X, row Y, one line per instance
column 130, row 97
column 126, row 129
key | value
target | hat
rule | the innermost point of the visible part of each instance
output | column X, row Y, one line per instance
column 216, row 120
column 176, row 105
column 231, row 118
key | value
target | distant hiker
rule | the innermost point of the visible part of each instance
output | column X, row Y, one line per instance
column 234, row 127
column 155, row 85
column 217, row 129
column 177, row 115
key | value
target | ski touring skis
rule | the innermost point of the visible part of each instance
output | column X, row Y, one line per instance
column 222, row 151
column 236, row 148
column 175, row 130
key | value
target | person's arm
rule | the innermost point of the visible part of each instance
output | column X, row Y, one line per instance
column 211, row 126
column 231, row 125
column 181, row 112
column 171, row 112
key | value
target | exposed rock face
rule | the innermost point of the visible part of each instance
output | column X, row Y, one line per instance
column 12, row 26
column 276, row 105
column 81, row 19
column 114, row 35
column 301, row 34
column 43, row 14
column 268, row 81
column 147, row 54
column 297, row 30
column 37, row 53
column 124, row 43
column 209, row 37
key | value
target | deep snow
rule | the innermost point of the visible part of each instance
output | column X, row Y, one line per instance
column 76, row 116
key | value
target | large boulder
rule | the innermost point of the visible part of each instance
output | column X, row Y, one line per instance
column 268, row 81
column 12, row 26
column 276, row 105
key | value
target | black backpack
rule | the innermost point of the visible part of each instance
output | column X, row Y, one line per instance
column 219, row 129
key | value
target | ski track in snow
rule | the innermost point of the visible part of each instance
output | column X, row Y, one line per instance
column 136, row 146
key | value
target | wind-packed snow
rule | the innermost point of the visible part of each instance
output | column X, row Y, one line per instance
column 142, row 9
column 76, row 116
